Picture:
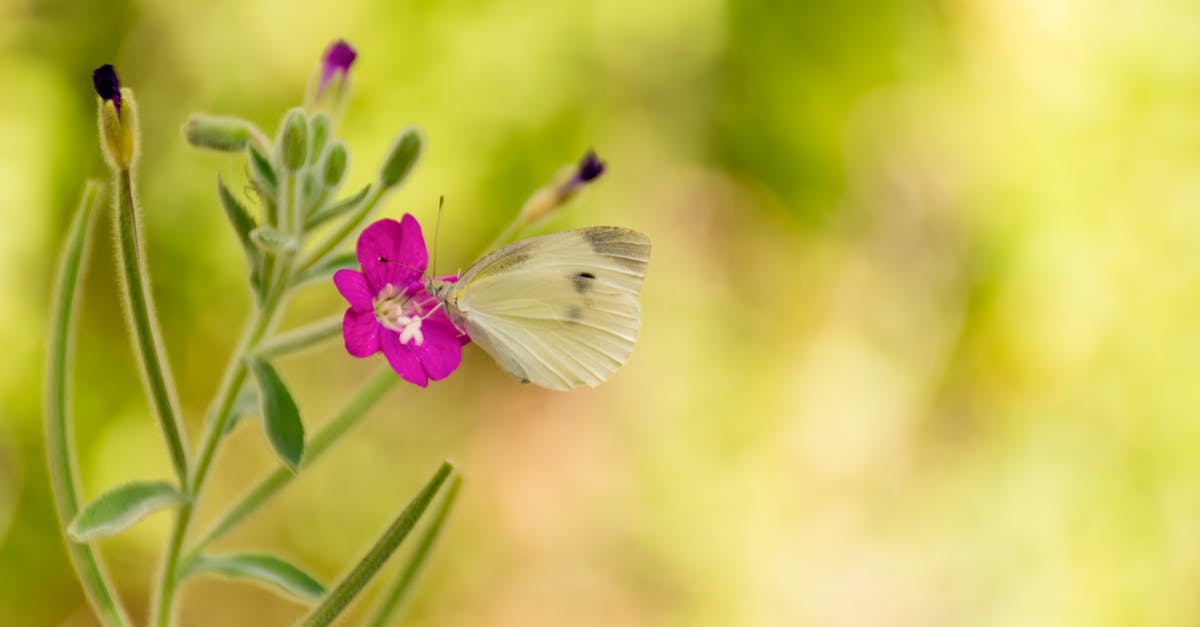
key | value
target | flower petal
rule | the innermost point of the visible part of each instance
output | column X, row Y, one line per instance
column 402, row 358
column 441, row 352
column 360, row 330
column 392, row 252
column 353, row 287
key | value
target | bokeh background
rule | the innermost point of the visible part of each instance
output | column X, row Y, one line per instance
column 920, row 330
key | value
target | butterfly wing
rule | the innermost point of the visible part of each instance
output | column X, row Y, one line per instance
column 559, row 310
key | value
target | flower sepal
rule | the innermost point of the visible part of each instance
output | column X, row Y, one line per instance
column 117, row 118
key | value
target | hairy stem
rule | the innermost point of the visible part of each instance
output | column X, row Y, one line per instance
column 268, row 486
column 64, row 477
column 354, row 581
column 301, row 338
column 386, row 613
column 147, row 337
column 235, row 374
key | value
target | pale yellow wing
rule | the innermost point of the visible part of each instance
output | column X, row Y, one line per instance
column 560, row 310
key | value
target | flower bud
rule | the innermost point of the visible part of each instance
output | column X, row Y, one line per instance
column 293, row 140
column 403, row 155
column 272, row 240
column 217, row 133
column 117, row 118
column 310, row 192
column 319, row 128
column 566, row 185
column 336, row 63
column 337, row 160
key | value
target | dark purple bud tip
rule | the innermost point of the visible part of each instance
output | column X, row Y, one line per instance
column 338, row 58
column 590, row 168
column 107, row 85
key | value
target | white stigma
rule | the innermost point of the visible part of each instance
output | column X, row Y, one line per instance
column 412, row 330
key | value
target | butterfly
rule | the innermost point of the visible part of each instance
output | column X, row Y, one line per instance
column 559, row 310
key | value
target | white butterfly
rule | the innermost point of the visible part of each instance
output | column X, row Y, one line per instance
column 560, row 310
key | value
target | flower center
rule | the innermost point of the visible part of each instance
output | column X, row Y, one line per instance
column 399, row 313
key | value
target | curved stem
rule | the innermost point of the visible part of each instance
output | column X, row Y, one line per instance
column 268, row 486
column 60, row 448
column 148, row 341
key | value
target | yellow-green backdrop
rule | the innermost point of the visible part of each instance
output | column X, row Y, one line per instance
column 920, row 328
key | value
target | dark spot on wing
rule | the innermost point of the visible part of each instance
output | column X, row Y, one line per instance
column 596, row 238
column 582, row 281
column 575, row 313
column 609, row 242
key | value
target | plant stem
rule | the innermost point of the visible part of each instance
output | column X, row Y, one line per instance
column 386, row 612
column 353, row 582
column 60, row 448
column 231, row 382
column 301, row 338
column 349, row 226
column 268, row 486
column 148, row 342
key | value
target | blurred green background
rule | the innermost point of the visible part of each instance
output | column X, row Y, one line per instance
column 919, row 330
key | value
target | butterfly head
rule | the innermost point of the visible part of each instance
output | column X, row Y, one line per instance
column 438, row 288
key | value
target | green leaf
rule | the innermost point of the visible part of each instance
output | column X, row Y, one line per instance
column 64, row 479
column 263, row 568
column 261, row 168
column 240, row 219
column 341, row 596
column 387, row 612
column 325, row 269
column 342, row 206
column 121, row 507
column 281, row 419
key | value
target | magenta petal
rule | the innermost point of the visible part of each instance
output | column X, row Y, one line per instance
column 402, row 359
column 360, row 330
column 392, row 252
column 353, row 287
column 441, row 352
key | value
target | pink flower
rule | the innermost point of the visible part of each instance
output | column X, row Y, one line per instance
column 390, row 310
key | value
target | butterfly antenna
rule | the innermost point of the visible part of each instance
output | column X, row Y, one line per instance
column 437, row 228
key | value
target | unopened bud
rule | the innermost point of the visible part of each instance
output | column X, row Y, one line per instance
column 337, row 160
column 566, row 185
column 319, row 128
column 217, row 133
column 404, row 154
column 293, row 140
column 117, row 118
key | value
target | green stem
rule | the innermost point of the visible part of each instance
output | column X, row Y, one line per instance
column 60, row 449
column 348, row 227
column 340, row 597
column 148, row 341
column 268, row 486
column 386, row 613
column 235, row 374
column 301, row 338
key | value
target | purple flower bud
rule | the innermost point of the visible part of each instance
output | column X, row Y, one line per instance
column 590, row 168
column 108, row 86
column 338, row 59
